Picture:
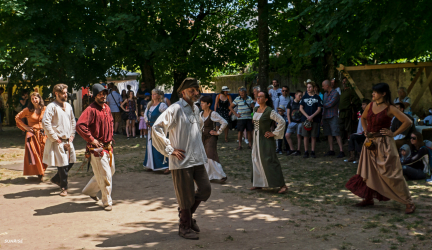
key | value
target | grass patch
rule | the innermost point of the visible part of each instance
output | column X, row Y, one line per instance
column 370, row 225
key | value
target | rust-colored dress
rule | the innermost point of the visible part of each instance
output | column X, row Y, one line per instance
column 34, row 142
column 379, row 174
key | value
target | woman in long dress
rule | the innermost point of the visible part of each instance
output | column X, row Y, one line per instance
column 379, row 174
column 222, row 104
column 266, row 168
column 154, row 161
column 209, row 138
column 34, row 138
column 132, row 111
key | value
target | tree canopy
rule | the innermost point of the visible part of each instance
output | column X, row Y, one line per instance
column 78, row 42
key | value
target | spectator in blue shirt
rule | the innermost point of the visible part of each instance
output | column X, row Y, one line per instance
column 114, row 101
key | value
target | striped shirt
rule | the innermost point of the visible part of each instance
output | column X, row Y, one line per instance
column 244, row 107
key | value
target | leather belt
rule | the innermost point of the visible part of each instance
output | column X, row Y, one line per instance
column 375, row 135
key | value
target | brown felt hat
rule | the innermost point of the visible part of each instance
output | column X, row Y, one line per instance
column 188, row 83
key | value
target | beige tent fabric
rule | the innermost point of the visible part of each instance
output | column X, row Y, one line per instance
column 382, row 170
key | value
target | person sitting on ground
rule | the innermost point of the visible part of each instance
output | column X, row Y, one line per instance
column 356, row 140
column 415, row 159
column 281, row 111
column 294, row 123
column 310, row 107
column 401, row 138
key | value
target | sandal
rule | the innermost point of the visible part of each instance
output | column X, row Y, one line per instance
column 223, row 179
column 226, row 140
column 249, row 147
column 167, row 171
column 283, row 190
column 239, row 148
column 255, row 188
column 63, row 192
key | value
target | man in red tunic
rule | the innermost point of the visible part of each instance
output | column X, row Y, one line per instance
column 95, row 125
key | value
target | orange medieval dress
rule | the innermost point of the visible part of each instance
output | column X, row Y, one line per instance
column 34, row 142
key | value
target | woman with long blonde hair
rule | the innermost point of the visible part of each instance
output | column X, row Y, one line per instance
column 154, row 161
column 35, row 137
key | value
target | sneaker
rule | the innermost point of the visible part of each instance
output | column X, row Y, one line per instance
column 145, row 137
column 280, row 152
column 290, row 152
column 306, row 154
column 128, row 138
column 140, row 136
column 341, row 155
column 313, row 154
column 297, row 153
column 330, row 153
column 246, row 141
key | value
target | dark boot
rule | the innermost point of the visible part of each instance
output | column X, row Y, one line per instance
column 352, row 156
column 194, row 225
column 185, row 230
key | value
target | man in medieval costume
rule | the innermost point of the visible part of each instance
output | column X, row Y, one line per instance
column 59, row 125
column 186, row 154
column 96, row 126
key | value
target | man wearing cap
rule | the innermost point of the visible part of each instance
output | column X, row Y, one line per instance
column 95, row 125
column 186, row 154
column 59, row 125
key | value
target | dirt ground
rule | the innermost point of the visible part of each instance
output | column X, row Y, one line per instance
column 315, row 213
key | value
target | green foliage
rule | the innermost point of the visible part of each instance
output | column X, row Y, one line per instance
column 78, row 42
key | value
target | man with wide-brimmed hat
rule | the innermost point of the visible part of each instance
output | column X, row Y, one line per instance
column 186, row 154
column 96, row 126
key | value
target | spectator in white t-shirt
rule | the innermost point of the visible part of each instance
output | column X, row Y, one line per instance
column 403, row 98
column 275, row 92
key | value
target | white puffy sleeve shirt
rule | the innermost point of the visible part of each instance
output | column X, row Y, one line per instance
column 184, row 125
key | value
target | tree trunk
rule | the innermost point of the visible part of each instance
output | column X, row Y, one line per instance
column 263, row 38
column 330, row 65
column 178, row 79
column 148, row 76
